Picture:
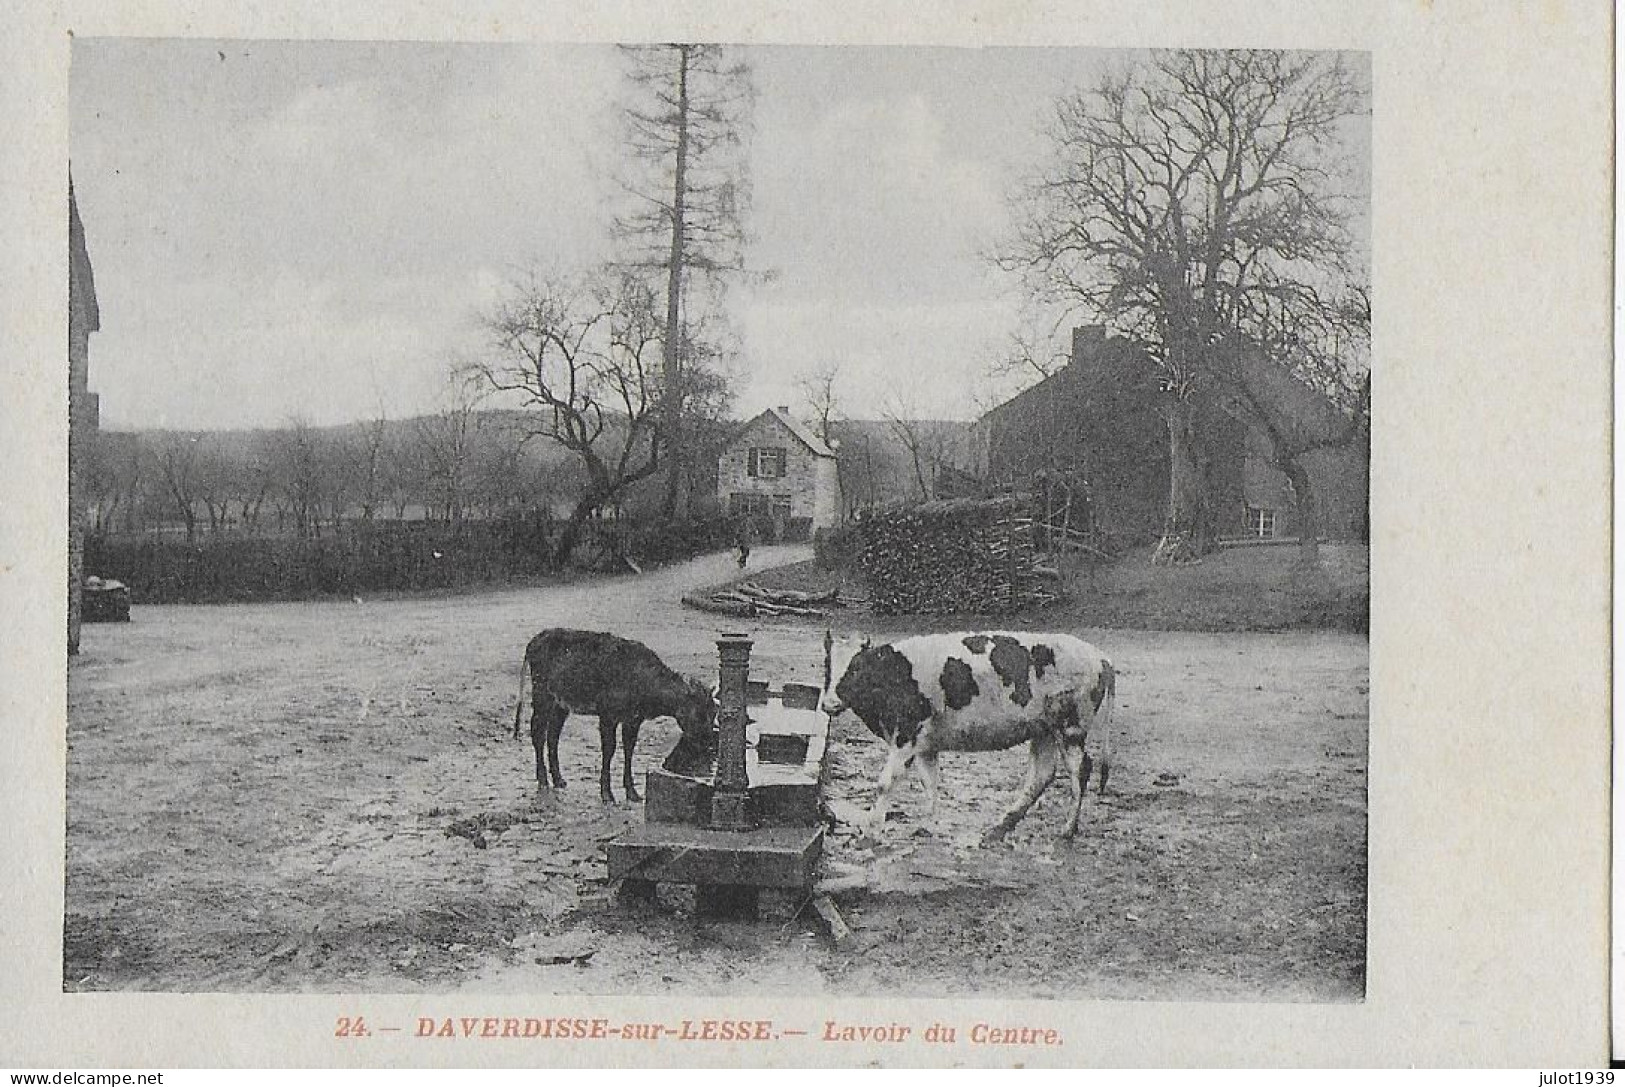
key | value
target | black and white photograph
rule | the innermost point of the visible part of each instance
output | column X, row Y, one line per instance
column 708, row 519
column 714, row 535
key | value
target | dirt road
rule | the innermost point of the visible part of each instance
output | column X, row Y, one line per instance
column 326, row 797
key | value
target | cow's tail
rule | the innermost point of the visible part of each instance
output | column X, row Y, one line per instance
column 1103, row 720
column 519, row 709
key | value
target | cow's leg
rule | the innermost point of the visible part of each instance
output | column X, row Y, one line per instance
column 546, row 719
column 1078, row 766
column 1040, row 773
column 555, row 728
column 606, row 746
column 897, row 760
column 629, row 741
column 538, row 739
column 1064, row 718
column 1103, row 721
column 926, row 766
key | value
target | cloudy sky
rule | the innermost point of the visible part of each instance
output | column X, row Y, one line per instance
column 313, row 228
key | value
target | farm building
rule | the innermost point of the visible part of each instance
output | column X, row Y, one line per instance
column 83, row 319
column 1094, row 425
column 781, row 474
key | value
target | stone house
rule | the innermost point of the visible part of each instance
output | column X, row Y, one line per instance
column 780, row 474
column 83, row 319
column 1094, row 425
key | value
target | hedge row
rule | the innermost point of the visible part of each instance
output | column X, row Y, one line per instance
column 381, row 557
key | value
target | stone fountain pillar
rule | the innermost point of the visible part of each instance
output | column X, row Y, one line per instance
column 730, row 802
column 746, row 835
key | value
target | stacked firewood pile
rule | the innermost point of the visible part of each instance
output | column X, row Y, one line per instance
column 748, row 600
column 963, row 555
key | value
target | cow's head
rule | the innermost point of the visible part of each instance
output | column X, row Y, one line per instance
column 696, row 709
column 878, row 684
column 842, row 651
column 696, row 714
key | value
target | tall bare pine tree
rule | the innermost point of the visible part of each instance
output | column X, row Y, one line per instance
column 686, row 121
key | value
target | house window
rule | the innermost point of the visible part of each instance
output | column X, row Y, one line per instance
column 764, row 506
column 1260, row 522
column 741, row 504
column 766, row 463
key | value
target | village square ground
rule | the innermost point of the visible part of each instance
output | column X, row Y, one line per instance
column 325, row 797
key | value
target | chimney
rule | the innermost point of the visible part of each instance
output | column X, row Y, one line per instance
column 784, row 409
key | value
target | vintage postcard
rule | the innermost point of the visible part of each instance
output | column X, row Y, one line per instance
column 992, row 539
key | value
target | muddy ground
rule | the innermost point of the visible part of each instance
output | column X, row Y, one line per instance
column 326, row 797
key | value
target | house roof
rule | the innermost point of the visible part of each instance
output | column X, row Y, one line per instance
column 803, row 435
column 81, row 281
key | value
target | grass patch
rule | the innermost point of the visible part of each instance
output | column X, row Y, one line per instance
column 1248, row 588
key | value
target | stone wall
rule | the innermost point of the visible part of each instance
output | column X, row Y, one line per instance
column 83, row 319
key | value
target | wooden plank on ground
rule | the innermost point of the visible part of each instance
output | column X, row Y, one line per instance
column 834, row 923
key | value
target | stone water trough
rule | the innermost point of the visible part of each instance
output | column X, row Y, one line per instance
column 743, row 835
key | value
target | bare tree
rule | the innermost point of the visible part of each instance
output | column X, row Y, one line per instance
column 583, row 356
column 686, row 124
column 368, row 454
column 446, row 441
column 501, row 481
column 259, row 476
column 869, row 473
column 178, row 465
column 114, row 480
column 816, row 387
column 217, row 479
column 1193, row 198
column 1035, row 350
column 297, row 471
column 924, row 443
column 339, row 481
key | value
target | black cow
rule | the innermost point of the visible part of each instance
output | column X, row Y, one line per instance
column 622, row 683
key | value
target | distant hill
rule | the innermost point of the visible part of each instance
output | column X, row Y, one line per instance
column 231, row 473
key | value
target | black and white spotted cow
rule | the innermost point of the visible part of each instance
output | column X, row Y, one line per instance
column 982, row 692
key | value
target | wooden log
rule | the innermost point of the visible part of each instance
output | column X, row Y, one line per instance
column 720, row 607
column 764, row 608
column 839, row 934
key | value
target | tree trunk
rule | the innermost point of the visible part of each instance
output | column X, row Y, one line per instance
column 919, row 476
column 1308, row 516
column 672, row 409
column 1185, row 530
column 570, row 534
